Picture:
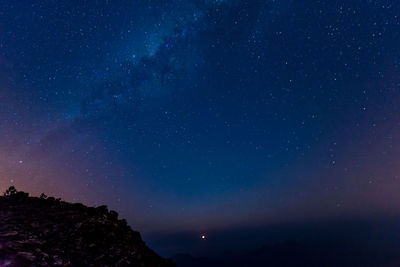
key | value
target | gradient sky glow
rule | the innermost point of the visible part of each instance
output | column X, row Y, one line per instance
column 203, row 114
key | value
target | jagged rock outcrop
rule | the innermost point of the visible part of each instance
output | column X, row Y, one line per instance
column 50, row 232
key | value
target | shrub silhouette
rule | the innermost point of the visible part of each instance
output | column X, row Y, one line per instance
column 10, row 191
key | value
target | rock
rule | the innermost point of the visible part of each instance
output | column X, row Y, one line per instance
column 27, row 255
column 12, row 233
column 113, row 215
column 50, row 232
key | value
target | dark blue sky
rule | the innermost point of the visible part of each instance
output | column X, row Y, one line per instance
column 204, row 114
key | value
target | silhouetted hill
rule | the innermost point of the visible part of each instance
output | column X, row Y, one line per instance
column 49, row 232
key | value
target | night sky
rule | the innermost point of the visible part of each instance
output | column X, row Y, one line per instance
column 204, row 114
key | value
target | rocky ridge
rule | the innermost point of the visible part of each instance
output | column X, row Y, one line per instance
column 49, row 232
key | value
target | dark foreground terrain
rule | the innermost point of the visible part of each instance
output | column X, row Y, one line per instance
column 293, row 254
column 50, row 232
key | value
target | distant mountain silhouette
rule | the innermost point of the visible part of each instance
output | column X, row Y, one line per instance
column 49, row 232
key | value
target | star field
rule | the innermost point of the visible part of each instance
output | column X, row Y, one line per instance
column 204, row 113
